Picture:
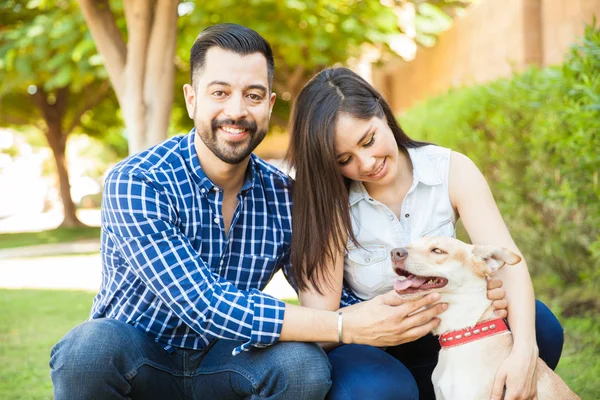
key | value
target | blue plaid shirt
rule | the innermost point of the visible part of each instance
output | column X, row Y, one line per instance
column 168, row 267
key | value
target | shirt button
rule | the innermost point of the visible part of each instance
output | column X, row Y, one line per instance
column 391, row 217
column 203, row 190
column 407, row 215
column 216, row 220
column 367, row 259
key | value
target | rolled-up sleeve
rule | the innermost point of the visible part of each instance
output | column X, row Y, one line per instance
column 142, row 221
column 348, row 297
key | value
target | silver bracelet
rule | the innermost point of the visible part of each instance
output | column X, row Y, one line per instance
column 340, row 325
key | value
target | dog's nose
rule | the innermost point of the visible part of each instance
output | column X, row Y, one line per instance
column 399, row 254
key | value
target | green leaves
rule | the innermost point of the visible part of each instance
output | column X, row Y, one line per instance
column 46, row 45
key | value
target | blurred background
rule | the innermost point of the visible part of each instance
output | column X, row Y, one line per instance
column 513, row 84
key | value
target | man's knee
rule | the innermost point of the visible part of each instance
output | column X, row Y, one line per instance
column 96, row 342
column 305, row 368
column 88, row 354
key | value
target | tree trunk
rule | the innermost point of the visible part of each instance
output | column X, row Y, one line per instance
column 53, row 115
column 57, row 142
column 142, row 72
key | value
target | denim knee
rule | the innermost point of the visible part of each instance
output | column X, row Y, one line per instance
column 306, row 370
column 285, row 370
column 366, row 372
column 549, row 334
column 85, row 359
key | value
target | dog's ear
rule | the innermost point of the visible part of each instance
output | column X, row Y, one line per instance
column 489, row 259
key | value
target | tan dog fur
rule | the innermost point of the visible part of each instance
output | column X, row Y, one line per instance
column 467, row 372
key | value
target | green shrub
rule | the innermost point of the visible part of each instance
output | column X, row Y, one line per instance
column 536, row 138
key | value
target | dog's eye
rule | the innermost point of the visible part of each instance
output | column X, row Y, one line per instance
column 437, row 251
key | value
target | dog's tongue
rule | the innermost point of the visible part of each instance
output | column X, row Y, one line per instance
column 412, row 281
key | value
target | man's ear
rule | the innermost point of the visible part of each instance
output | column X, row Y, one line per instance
column 272, row 102
column 190, row 99
column 489, row 259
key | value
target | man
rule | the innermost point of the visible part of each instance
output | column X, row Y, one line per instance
column 192, row 231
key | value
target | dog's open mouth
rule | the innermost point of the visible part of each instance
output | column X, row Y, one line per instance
column 415, row 283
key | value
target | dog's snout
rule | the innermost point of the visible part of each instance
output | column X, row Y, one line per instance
column 399, row 254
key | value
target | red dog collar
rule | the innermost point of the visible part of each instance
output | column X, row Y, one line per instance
column 481, row 330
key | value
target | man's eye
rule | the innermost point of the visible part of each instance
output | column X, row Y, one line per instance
column 437, row 251
column 218, row 93
column 255, row 97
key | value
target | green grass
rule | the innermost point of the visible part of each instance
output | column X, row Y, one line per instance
column 579, row 306
column 32, row 321
column 580, row 362
column 58, row 235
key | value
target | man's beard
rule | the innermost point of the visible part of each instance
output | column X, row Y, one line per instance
column 230, row 152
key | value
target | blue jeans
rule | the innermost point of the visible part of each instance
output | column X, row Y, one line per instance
column 404, row 372
column 109, row 359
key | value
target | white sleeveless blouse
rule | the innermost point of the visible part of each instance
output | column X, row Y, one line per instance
column 426, row 211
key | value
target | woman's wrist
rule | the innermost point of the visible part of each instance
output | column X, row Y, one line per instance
column 525, row 346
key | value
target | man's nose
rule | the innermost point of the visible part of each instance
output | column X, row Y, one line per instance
column 399, row 253
column 235, row 108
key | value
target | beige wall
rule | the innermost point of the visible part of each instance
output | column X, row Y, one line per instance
column 563, row 21
column 494, row 38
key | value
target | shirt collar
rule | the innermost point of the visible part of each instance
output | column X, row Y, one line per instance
column 188, row 152
column 423, row 172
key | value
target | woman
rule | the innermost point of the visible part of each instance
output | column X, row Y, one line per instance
column 364, row 187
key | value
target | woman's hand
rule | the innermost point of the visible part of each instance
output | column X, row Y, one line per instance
column 518, row 373
column 498, row 297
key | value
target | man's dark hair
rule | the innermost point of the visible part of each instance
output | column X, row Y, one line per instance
column 232, row 37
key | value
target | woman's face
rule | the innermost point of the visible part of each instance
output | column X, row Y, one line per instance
column 366, row 149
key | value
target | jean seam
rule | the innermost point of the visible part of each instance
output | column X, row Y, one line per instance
column 144, row 361
column 220, row 370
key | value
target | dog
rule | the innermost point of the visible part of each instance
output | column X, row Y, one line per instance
column 474, row 342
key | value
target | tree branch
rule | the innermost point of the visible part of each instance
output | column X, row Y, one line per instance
column 160, row 70
column 139, row 19
column 62, row 102
column 92, row 101
column 109, row 41
column 295, row 80
column 12, row 119
column 39, row 99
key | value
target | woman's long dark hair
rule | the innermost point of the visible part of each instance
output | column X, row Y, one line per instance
column 321, row 213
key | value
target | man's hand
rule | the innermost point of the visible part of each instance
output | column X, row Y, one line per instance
column 498, row 297
column 388, row 320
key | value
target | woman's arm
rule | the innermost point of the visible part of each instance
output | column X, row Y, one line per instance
column 331, row 289
column 472, row 198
